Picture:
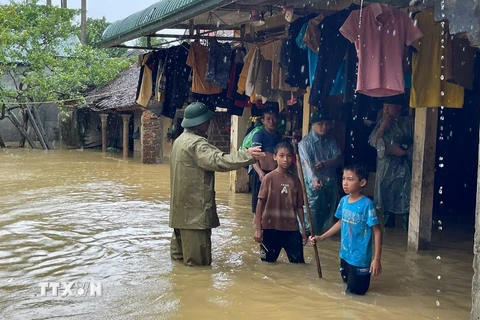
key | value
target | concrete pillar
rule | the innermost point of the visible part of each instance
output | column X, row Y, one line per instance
column 83, row 22
column 306, row 113
column 423, row 174
column 475, row 315
column 104, row 118
column 126, row 122
column 239, row 178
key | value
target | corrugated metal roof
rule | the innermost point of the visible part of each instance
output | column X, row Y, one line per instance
column 158, row 16
column 153, row 13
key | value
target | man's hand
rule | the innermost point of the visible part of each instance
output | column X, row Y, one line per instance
column 317, row 184
column 319, row 165
column 258, row 236
column 375, row 267
column 261, row 176
column 257, row 153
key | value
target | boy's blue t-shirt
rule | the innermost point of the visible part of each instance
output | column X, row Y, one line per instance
column 357, row 221
column 268, row 141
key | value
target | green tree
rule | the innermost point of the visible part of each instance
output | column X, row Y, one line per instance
column 95, row 29
column 155, row 42
column 41, row 59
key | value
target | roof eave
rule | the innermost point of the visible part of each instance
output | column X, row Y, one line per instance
column 165, row 22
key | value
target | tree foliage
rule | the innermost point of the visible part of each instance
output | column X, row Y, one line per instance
column 155, row 42
column 95, row 29
column 41, row 58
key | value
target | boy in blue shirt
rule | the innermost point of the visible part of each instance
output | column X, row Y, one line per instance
column 357, row 221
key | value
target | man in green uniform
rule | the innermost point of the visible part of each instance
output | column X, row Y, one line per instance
column 193, row 162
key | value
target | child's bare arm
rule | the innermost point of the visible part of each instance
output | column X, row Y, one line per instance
column 301, row 216
column 258, row 220
column 303, row 231
column 376, row 266
column 331, row 232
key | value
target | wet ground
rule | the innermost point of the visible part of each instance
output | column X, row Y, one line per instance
column 82, row 216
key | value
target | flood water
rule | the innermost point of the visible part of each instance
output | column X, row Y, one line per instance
column 82, row 216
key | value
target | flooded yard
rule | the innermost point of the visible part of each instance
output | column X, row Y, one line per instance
column 72, row 215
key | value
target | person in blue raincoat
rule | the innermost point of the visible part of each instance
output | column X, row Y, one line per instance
column 393, row 139
column 320, row 156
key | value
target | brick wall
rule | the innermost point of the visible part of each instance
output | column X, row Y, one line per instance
column 152, row 138
column 219, row 131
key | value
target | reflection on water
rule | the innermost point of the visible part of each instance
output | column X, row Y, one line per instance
column 84, row 216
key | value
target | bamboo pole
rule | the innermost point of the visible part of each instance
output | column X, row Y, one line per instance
column 36, row 117
column 17, row 124
column 33, row 122
column 309, row 214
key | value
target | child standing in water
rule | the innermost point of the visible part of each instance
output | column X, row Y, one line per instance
column 357, row 219
column 280, row 201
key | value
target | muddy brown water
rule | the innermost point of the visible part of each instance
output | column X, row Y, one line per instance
column 80, row 216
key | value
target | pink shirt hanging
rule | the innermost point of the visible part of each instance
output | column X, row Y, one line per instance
column 380, row 38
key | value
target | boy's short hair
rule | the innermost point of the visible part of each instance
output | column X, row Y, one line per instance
column 283, row 145
column 359, row 170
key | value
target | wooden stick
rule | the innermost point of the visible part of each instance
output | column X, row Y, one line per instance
column 36, row 116
column 309, row 214
column 33, row 122
column 23, row 132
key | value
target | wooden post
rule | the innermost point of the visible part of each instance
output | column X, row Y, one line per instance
column 36, row 117
column 49, row 2
column 306, row 113
column 475, row 313
column 191, row 29
column 239, row 178
column 423, row 174
column 104, row 118
column 63, row 4
column 83, row 22
column 126, row 122
column 2, row 143
column 33, row 122
column 17, row 124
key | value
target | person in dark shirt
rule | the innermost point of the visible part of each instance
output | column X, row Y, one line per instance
column 267, row 138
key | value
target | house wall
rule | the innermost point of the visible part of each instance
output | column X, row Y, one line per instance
column 49, row 117
column 219, row 131
column 151, row 138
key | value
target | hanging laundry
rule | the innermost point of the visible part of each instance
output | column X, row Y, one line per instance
column 219, row 63
column 297, row 70
column 380, row 37
column 312, row 34
column 333, row 48
column 271, row 51
column 459, row 69
column 145, row 88
column 172, row 83
column 198, row 60
column 428, row 89
column 338, row 86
